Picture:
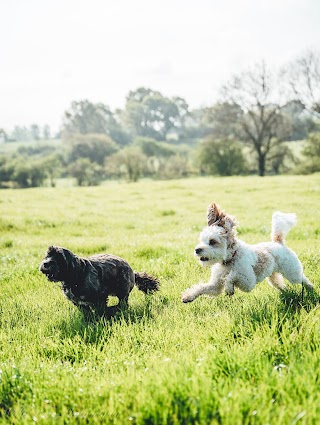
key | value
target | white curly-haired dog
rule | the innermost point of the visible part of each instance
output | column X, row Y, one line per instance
column 238, row 264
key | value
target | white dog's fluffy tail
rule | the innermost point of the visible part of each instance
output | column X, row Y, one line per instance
column 281, row 224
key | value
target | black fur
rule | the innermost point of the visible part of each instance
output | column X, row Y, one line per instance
column 88, row 282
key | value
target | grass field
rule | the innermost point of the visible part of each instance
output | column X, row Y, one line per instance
column 249, row 359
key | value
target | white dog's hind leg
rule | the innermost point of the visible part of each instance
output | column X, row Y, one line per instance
column 276, row 280
column 306, row 282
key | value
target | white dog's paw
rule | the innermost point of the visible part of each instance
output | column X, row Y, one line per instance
column 187, row 296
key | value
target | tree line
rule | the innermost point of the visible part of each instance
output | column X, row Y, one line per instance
column 248, row 130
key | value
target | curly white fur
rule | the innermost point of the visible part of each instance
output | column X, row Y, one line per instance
column 235, row 263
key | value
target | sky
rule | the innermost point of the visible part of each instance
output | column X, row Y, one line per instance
column 53, row 52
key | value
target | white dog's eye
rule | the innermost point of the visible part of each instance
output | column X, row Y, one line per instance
column 212, row 242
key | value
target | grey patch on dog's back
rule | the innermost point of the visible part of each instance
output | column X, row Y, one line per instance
column 263, row 260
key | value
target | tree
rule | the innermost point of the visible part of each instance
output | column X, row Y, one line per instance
column 46, row 132
column 153, row 148
column 176, row 166
column 21, row 133
column 302, row 121
column 311, row 151
column 53, row 167
column 150, row 114
column 3, row 135
column 129, row 162
column 86, row 172
column 222, row 157
column 303, row 75
column 28, row 173
column 281, row 160
column 95, row 147
column 38, row 150
column 223, row 119
column 262, row 126
column 85, row 117
column 37, row 173
column 35, row 132
column 6, row 169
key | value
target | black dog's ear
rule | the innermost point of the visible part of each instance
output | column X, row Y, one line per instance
column 68, row 256
column 51, row 250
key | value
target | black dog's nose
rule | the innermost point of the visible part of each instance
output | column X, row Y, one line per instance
column 198, row 250
column 44, row 266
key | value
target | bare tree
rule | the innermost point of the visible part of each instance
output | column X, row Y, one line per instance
column 262, row 126
column 303, row 76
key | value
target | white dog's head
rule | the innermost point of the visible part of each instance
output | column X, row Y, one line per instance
column 217, row 238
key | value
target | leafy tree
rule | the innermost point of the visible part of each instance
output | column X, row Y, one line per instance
column 153, row 148
column 53, row 167
column 28, row 173
column 85, row 117
column 37, row 173
column 21, row 173
column 21, row 134
column 281, row 159
column 95, row 147
column 35, row 132
column 6, row 169
column 223, row 119
column 86, row 172
column 3, row 135
column 130, row 162
column 39, row 150
column 176, row 166
column 150, row 114
column 302, row 121
column 311, row 151
column 262, row 126
column 221, row 157
column 46, row 132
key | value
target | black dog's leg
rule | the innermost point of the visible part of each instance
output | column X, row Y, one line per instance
column 122, row 305
column 123, row 302
column 86, row 311
column 101, row 309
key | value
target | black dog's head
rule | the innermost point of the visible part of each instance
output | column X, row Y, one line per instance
column 57, row 264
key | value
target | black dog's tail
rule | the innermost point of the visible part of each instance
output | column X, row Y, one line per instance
column 146, row 283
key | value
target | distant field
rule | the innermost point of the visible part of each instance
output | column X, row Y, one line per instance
column 250, row 359
column 11, row 147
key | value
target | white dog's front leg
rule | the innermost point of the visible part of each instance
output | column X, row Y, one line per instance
column 213, row 288
column 229, row 285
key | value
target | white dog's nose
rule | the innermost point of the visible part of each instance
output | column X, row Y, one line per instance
column 198, row 250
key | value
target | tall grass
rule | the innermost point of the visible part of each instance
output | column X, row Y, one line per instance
column 249, row 359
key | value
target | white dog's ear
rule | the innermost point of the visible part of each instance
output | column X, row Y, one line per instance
column 217, row 217
column 214, row 214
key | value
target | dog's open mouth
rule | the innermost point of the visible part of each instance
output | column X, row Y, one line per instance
column 204, row 259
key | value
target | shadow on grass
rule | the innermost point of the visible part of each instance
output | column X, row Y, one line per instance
column 92, row 326
column 296, row 299
column 288, row 307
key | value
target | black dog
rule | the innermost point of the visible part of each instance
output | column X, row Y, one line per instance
column 88, row 282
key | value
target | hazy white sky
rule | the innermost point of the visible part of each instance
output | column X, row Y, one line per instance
column 56, row 51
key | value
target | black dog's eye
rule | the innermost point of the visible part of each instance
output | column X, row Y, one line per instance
column 212, row 242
